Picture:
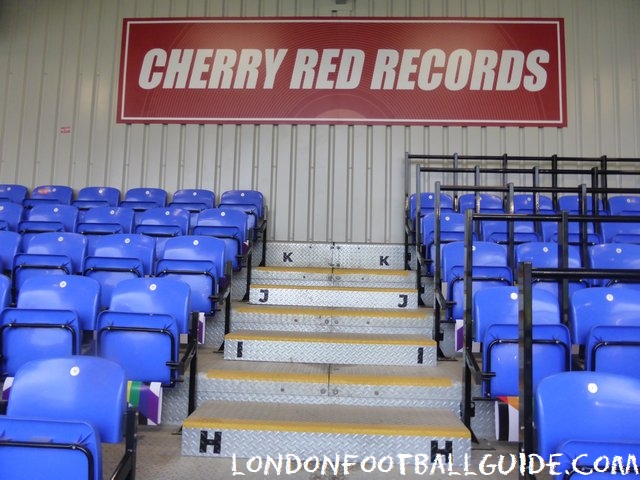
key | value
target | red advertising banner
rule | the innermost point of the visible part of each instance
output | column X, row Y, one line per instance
column 409, row 71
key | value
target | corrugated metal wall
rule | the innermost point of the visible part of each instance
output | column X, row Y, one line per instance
column 322, row 183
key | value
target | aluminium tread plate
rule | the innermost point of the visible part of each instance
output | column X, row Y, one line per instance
column 219, row 428
column 417, row 350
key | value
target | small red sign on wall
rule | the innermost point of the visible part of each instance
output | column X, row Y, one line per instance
column 65, row 129
column 428, row 71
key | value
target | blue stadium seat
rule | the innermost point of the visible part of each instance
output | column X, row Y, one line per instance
column 620, row 232
column 105, row 220
column 624, row 205
column 427, row 204
column 452, row 226
column 10, row 216
column 9, row 246
column 199, row 261
column 525, row 203
column 59, row 412
column 571, row 203
column 116, row 257
column 487, row 203
column 141, row 329
column 193, row 199
column 614, row 256
column 14, row 193
column 49, row 194
column 547, row 255
column 162, row 223
column 495, row 318
column 90, row 197
column 249, row 201
column 229, row 225
column 581, row 416
column 497, row 231
column 50, row 253
column 140, row 199
column 49, row 218
column 5, row 292
column 490, row 269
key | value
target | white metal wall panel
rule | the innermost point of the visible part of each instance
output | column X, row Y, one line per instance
column 322, row 182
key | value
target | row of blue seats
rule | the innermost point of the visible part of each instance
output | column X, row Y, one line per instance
column 202, row 260
column 522, row 203
column 139, row 198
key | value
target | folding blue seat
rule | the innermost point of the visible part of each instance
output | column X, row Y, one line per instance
column 105, row 220
column 58, row 414
column 89, row 197
column 50, row 253
column 248, row 201
column 14, row 193
column 193, row 199
column 199, row 261
column 495, row 318
column 571, row 203
column 452, row 225
column 547, row 255
column 525, row 203
column 141, row 329
column 116, row 257
column 10, row 216
column 581, row 416
column 229, row 225
column 427, row 204
column 5, row 292
column 49, row 194
column 615, row 256
column 141, row 199
column 490, row 269
column 9, row 247
column 624, row 205
column 620, row 232
column 162, row 223
column 49, row 218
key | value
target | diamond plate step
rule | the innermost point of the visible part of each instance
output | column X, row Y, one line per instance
column 345, row 349
column 333, row 277
column 331, row 296
column 323, row 320
column 248, row 430
column 390, row 386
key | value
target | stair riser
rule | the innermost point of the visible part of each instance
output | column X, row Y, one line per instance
column 247, row 444
column 330, row 353
column 318, row 297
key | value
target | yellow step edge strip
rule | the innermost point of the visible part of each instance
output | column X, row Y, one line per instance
column 243, row 375
column 318, row 338
column 378, row 380
column 335, row 289
column 335, row 271
column 330, row 312
column 329, row 427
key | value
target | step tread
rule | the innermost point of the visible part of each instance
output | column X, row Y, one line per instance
column 243, row 307
column 260, row 335
column 335, row 271
column 335, row 419
column 334, row 288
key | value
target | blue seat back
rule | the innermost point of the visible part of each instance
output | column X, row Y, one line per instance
column 614, row 256
column 624, row 205
column 497, row 231
column 427, row 204
column 5, row 292
column 105, row 220
column 50, row 218
column 499, row 305
column 620, row 232
column 10, row 216
column 70, row 292
column 246, row 198
column 602, row 306
column 51, row 194
column 37, row 448
column 586, row 407
column 162, row 223
column 193, row 199
column 90, row 197
column 197, row 260
column 488, row 203
column 614, row 349
column 229, row 225
column 525, row 203
column 75, row 388
column 116, row 257
column 500, row 355
column 11, row 192
column 571, row 204
column 141, row 199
